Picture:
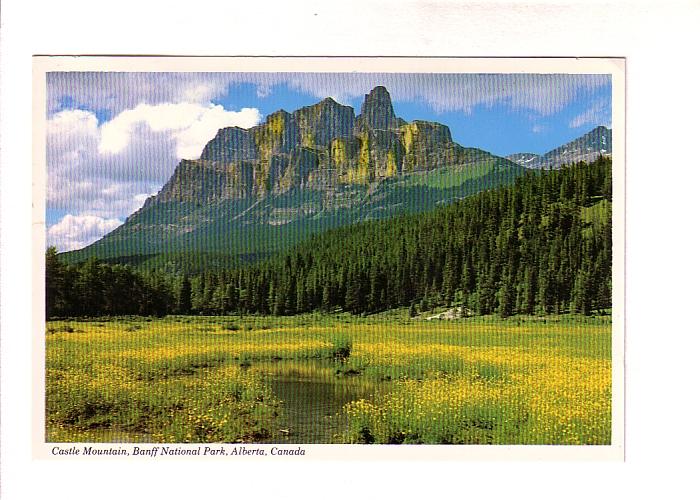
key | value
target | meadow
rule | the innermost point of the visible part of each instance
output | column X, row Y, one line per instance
column 330, row 378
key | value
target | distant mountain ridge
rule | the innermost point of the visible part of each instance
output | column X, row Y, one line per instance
column 586, row 148
column 254, row 191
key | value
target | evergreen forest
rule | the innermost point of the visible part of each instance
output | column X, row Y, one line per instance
column 541, row 245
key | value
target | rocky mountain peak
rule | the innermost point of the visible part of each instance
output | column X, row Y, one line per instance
column 584, row 148
column 329, row 101
column 230, row 144
column 378, row 93
column 316, row 148
column 324, row 121
column 377, row 111
column 280, row 114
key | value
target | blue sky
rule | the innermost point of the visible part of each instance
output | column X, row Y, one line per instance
column 113, row 139
column 499, row 127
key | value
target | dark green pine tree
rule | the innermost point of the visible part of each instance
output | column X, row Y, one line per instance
column 278, row 297
column 90, row 288
column 184, row 296
column 354, row 294
column 327, row 297
column 583, row 293
column 450, row 278
column 55, row 284
column 232, row 297
column 506, row 297
column 528, row 291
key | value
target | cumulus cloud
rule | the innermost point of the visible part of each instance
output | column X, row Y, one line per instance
column 71, row 135
column 74, row 232
column 98, row 197
column 192, row 138
column 100, row 174
column 193, row 125
column 83, row 181
column 108, row 171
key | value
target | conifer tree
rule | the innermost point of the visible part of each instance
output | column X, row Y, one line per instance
column 184, row 296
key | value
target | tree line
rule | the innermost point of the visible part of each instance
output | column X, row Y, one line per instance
column 542, row 245
column 96, row 289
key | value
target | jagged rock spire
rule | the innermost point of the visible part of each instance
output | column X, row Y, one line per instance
column 377, row 110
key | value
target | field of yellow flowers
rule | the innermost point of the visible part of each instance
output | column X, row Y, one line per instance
column 471, row 381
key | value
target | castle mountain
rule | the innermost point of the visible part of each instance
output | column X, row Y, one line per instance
column 320, row 147
column 255, row 191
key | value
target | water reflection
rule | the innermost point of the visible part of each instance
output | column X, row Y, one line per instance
column 313, row 395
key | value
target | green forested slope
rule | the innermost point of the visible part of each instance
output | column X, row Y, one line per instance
column 191, row 237
column 541, row 245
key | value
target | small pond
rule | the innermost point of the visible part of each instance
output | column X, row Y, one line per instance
column 313, row 396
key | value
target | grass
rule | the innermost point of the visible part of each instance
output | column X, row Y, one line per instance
column 450, row 177
column 188, row 379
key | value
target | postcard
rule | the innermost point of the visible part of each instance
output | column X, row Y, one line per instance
column 265, row 258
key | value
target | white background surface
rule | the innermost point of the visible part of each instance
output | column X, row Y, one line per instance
column 660, row 41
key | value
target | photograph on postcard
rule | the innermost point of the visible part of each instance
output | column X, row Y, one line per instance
column 348, row 252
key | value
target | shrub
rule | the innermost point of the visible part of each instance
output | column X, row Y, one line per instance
column 342, row 346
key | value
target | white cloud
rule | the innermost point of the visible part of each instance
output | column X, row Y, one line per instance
column 97, row 196
column 70, row 135
column 117, row 91
column 192, row 138
column 72, row 123
column 545, row 94
column 598, row 114
column 199, row 92
column 77, row 231
column 108, row 171
column 193, row 125
column 81, row 180
column 263, row 90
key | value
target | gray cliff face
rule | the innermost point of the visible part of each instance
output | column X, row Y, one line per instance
column 377, row 111
column 230, row 144
column 427, row 144
column 322, row 122
column 323, row 146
